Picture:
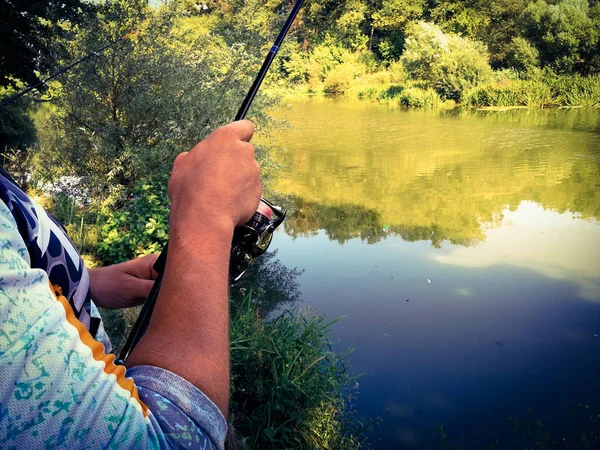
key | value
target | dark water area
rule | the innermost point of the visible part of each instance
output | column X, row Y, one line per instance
column 465, row 249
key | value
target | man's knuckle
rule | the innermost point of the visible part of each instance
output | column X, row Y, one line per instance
column 248, row 148
column 226, row 133
column 179, row 160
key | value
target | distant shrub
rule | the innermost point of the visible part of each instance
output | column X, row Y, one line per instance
column 369, row 61
column 448, row 63
column 380, row 78
column 368, row 93
column 296, row 68
column 505, row 76
column 414, row 97
column 398, row 72
column 392, row 92
column 340, row 78
column 523, row 56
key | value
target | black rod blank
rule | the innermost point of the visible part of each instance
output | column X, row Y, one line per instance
column 267, row 64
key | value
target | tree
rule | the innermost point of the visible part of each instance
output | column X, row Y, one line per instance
column 27, row 33
column 500, row 31
column 522, row 55
column 391, row 18
column 350, row 24
column 463, row 17
column 563, row 32
column 127, row 113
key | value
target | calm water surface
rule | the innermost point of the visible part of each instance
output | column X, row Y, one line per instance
column 465, row 248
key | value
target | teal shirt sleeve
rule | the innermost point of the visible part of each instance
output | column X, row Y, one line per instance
column 59, row 390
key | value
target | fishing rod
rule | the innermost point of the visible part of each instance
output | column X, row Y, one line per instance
column 65, row 69
column 250, row 240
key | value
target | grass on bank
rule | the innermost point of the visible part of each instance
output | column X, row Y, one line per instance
column 289, row 388
column 541, row 91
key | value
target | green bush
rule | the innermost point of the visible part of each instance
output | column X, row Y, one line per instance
column 414, row 97
column 340, row 79
column 398, row 72
column 289, row 388
column 522, row 55
column 137, row 227
column 296, row 69
column 446, row 62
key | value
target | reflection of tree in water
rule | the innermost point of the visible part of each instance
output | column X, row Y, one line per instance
column 344, row 222
column 272, row 285
column 440, row 176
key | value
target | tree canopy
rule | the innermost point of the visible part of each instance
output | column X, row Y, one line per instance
column 28, row 36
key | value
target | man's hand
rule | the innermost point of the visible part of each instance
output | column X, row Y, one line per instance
column 123, row 285
column 213, row 188
column 216, row 183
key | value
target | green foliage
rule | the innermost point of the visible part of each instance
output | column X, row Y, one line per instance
column 499, row 29
column 29, row 31
column 445, row 62
column 17, row 135
column 127, row 113
column 137, row 224
column 563, row 31
column 522, row 55
column 394, row 14
column 350, row 25
column 419, row 98
column 543, row 90
column 340, row 78
column 289, row 388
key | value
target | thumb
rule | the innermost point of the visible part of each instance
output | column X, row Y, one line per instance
column 140, row 289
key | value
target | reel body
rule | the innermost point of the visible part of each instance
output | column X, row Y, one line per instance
column 253, row 239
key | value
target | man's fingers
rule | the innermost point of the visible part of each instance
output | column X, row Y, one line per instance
column 150, row 260
column 143, row 267
column 144, row 289
column 243, row 128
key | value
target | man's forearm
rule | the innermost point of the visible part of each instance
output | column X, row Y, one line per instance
column 189, row 330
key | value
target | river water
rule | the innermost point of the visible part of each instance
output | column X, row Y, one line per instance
column 465, row 249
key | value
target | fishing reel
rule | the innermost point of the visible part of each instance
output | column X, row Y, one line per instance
column 253, row 239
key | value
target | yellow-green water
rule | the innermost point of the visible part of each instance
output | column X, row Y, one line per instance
column 449, row 173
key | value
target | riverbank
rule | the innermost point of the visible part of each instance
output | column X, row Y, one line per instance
column 502, row 93
column 436, row 69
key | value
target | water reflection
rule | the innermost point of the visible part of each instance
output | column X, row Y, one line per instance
column 446, row 173
column 272, row 284
column 559, row 246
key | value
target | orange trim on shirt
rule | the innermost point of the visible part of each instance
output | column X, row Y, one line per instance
column 98, row 350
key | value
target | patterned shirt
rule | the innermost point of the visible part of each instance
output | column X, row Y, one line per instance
column 59, row 386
